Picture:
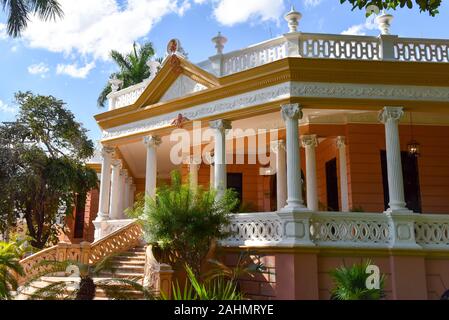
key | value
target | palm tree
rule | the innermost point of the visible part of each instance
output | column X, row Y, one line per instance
column 133, row 68
column 351, row 283
column 80, row 284
column 9, row 267
column 19, row 12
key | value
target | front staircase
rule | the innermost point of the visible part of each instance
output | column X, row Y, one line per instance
column 128, row 265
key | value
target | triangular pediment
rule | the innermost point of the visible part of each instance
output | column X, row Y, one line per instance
column 182, row 86
column 176, row 79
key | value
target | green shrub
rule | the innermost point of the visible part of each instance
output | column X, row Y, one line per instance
column 350, row 283
column 184, row 222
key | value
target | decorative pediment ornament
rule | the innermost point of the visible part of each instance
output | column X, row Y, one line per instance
column 173, row 46
column 179, row 121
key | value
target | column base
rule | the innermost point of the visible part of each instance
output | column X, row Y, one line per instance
column 295, row 209
column 398, row 211
column 102, row 217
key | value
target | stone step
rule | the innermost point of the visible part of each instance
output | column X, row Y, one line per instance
column 139, row 263
column 126, row 268
column 121, row 275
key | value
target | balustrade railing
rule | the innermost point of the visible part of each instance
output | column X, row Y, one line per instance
column 310, row 45
column 260, row 229
column 121, row 240
column 339, row 230
column 432, row 231
column 127, row 96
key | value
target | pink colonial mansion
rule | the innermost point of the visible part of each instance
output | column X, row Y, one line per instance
column 354, row 134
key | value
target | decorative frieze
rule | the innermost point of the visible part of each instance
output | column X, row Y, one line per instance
column 281, row 92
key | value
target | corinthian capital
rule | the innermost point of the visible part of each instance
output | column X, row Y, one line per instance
column 152, row 141
column 108, row 151
column 291, row 111
column 221, row 125
column 309, row 141
column 341, row 142
column 116, row 164
column 391, row 113
column 277, row 146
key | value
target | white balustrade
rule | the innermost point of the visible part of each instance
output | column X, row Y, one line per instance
column 254, row 56
column 338, row 230
column 105, row 228
column 309, row 45
column 335, row 229
column 128, row 96
column 254, row 229
column 421, row 50
column 339, row 47
column 432, row 231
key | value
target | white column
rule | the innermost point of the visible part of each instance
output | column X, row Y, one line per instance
column 124, row 191
column 310, row 143
column 341, row 145
column 194, row 167
column 115, row 189
column 220, row 180
column 391, row 116
column 210, row 159
column 105, row 184
column 151, row 142
column 291, row 114
column 131, row 192
column 278, row 147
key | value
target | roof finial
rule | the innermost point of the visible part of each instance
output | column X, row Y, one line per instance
column 115, row 83
column 219, row 41
column 384, row 22
column 293, row 18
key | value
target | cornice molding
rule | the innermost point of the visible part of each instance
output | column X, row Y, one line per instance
column 280, row 92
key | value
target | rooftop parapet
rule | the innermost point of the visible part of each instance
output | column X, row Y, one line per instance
column 385, row 47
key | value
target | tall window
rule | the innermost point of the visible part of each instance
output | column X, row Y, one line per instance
column 412, row 189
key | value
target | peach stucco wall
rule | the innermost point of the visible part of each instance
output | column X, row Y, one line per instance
column 306, row 275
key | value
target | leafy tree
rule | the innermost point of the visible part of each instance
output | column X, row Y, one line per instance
column 430, row 6
column 133, row 68
column 184, row 222
column 351, row 283
column 19, row 12
column 10, row 254
column 42, row 168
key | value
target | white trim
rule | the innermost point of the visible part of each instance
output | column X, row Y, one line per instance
column 280, row 92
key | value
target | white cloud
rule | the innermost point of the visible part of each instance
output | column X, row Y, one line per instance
column 231, row 12
column 93, row 28
column 7, row 109
column 312, row 3
column 74, row 71
column 39, row 69
column 3, row 34
column 361, row 29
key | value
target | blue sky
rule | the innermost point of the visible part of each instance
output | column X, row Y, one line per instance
column 68, row 59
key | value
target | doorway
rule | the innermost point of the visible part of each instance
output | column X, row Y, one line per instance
column 332, row 185
column 412, row 189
